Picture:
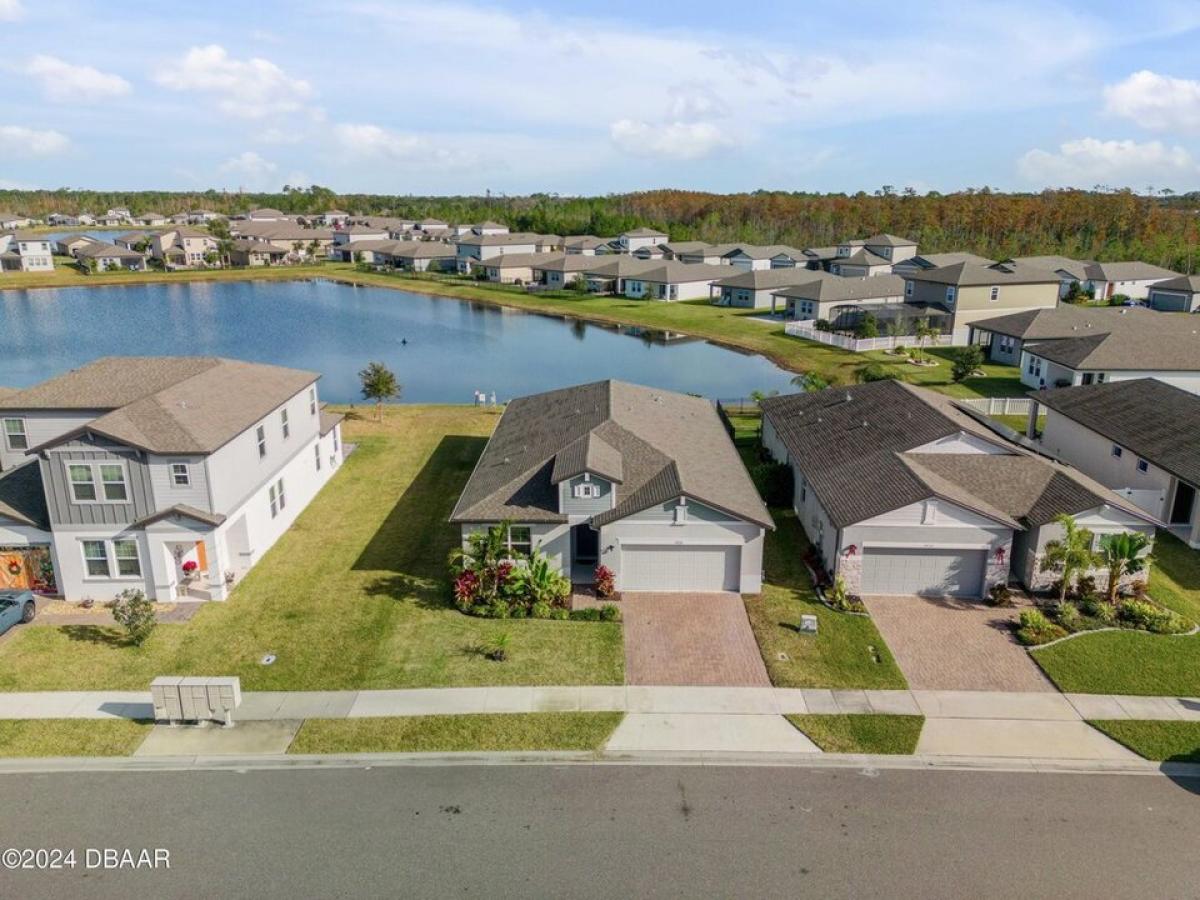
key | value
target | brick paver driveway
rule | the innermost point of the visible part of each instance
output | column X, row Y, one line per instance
column 690, row 639
column 955, row 645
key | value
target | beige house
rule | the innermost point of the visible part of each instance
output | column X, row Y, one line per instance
column 517, row 268
column 670, row 281
column 757, row 288
column 25, row 251
column 971, row 292
column 837, row 299
column 183, row 247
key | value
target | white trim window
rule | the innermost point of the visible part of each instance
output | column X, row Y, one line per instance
column 520, row 540
column 129, row 564
column 312, row 401
column 181, row 475
column 1143, row 466
column 283, row 424
column 587, row 490
column 317, row 455
column 119, row 558
column 83, row 483
column 95, row 559
column 278, row 501
column 994, row 296
column 113, row 483
column 15, row 435
column 1117, row 452
column 951, row 293
column 260, row 435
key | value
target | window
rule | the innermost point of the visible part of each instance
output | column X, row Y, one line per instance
column 1117, row 452
column 995, row 295
column 283, row 424
column 181, row 476
column 83, row 484
column 261, row 434
column 587, row 491
column 95, row 559
column 1143, row 466
column 950, row 295
column 317, row 455
column 112, row 477
column 274, row 501
column 908, row 289
column 279, row 493
column 335, row 440
column 14, row 434
column 126, row 553
column 312, row 401
column 520, row 540
column 1088, row 378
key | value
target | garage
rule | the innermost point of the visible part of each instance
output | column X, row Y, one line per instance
column 923, row 570
column 676, row 567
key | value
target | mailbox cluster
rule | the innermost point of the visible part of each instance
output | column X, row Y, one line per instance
column 188, row 699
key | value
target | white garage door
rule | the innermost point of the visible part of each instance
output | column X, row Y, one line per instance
column 679, row 568
column 953, row 573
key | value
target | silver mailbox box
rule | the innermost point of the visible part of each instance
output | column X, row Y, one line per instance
column 195, row 699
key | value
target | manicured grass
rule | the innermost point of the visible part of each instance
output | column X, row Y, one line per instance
column 1019, row 423
column 1171, row 741
column 862, row 733
column 1134, row 662
column 355, row 595
column 432, row 734
column 71, row 737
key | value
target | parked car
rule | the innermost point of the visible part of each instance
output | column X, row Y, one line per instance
column 16, row 606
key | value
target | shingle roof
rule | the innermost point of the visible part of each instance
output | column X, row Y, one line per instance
column 863, row 257
column 825, row 287
column 668, row 444
column 499, row 240
column 22, row 497
column 764, row 251
column 672, row 271
column 937, row 260
column 644, row 232
column 186, row 404
column 965, row 274
column 180, row 510
column 329, row 421
column 1155, row 420
column 758, row 279
column 1067, row 320
column 1133, row 270
column 520, row 260
column 888, row 240
column 1077, row 269
column 1186, row 283
column 1148, row 350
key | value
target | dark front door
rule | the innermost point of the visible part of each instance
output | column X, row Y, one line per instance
column 1185, row 499
column 585, row 544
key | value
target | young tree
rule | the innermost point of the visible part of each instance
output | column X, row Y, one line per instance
column 966, row 361
column 1070, row 555
column 867, row 327
column 379, row 384
column 135, row 614
column 811, row 382
column 922, row 332
column 1123, row 554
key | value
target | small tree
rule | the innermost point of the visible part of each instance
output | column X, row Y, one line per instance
column 811, row 382
column 135, row 614
column 966, row 361
column 1123, row 554
column 380, row 385
column 1070, row 555
column 875, row 372
column 1074, row 293
column 867, row 327
column 923, row 331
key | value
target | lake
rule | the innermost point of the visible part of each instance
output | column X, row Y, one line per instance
column 441, row 349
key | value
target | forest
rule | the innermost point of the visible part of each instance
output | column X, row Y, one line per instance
column 1100, row 225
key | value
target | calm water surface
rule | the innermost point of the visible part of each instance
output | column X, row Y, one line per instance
column 441, row 349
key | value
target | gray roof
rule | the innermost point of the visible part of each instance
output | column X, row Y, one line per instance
column 759, row 279
column 22, row 497
column 854, row 446
column 621, row 266
column 1186, row 283
column 180, row 511
column 644, row 232
column 1172, row 349
column 181, row 404
column 965, row 274
column 520, row 260
column 329, row 421
column 937, row 260
column 1155, row 420
column 863, row 257
column 671, row 271
column 824, row 288
column 101, row 250
column 569, row 262
column 888, row 240
column 664, row 444
column 1077, row 269
column 585, row 241
column 1134, row 270
column 765, row 251
column 1067, row 320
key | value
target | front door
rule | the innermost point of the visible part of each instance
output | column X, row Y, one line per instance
column 1185, row 500
column 585, row 544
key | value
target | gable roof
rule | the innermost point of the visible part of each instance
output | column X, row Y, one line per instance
column 672, row 271
column 825, row 287
column 967, row 274
column 664, row 444
column 1067, row 321
column 188, row 404
column 22, row 497
column 862, row 257
column 1186, row 283
column 1157, row 421
column 1133, row 270
column 644, row 232
column 1077, row 269
column 758, row 279
column 1140, row 349
column 764, row 251
column 937, row 260
column 888, row 240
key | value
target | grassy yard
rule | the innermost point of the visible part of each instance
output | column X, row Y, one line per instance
column 353, row 596
column 1160, row 741
column 433, row 734
column 1134, row 662
column 71, row 737
column 862, row 733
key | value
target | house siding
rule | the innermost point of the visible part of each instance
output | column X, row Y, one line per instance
column 570, row 505
column 65, row 511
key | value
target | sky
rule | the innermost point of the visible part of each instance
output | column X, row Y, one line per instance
column 570, row 98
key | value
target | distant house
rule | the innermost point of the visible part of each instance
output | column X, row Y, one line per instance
column 347, row 241
column 1138, row 437
column 670, row 281
column 643, row 481
column 132, row 240
column 926, row 261
column 265, row 214
column 584, row 244
column 423, row 256
column 612, row 273
column 1180, row 294
column 629, row 241
column 151, row 220
column 756, row 289
column 651, row 251
column 861, row 263
column 762, row 256
column 69, row 243
column 563, row 270
column 300, row 242
column 183, row 247
column 24, row 251
column 900, row 493
column 1005, row 338
column 169, row 475
column 60, row 220
column 516, row 268
column 1130, row 279
column 1069, row 271
column 839, row 300
column 202, row 216
column 695, row 252
column 472, row 249
column 430, row 225
column 971, row 292
column 245, row 252
column 12, row 221
column 873, row 255
column 333, row 218
column 105, row 257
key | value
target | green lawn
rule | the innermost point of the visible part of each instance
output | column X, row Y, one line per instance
column 1134, row 662
column 1172, row 741
column 433, row 734
column 353, row 596
column 862, row 733
column 71, row 737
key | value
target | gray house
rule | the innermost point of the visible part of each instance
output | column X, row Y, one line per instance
column 644, row 481
column 1180, row 294
column 902, row 493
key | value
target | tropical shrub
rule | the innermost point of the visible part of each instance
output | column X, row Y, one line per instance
column 966, row 361
column 1069, row 556
column 1067, row 615
column 133, row 612
column 1124, row 553
column 1000, row 595
column 605, row 581
column 486, row 581
column 1149, row 616
column 1095, row 608
column 1035, row 628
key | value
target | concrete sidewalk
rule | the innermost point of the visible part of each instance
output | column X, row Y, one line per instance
column 667, row 700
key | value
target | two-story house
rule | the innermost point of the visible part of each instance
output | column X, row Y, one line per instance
column 643, row 481
column 183, row 247
column 26, row 252
column 970, row 292
column 172, row 475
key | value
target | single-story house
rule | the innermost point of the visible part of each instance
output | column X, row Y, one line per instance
column 561, row 271
column 670, row 280
column 1180, row 294
column 1138, row 437
column 756, row 289
column 516, row 268
column 769, row 256
column 130, row 240
column 971, row 292
column 1005, row 338
column 611, row 273
column 422, row 256
column 265, row 214
column 245, row 252
column 1132, row 279
column 151, row 220
column 110, row 256
column 643, row 481
column 900, row 492
column 584, row 244
column 821, row 295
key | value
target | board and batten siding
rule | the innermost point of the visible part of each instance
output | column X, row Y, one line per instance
column 64, row 511
column 41, row 426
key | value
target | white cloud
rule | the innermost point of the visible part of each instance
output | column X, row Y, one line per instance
column 11, row 11
column 65, row 82
column 250, row 89
column 249, row 167
column 673, row 140
column 17, row 140
column 1157, row 102
column 1089, row 161
column 373, row 142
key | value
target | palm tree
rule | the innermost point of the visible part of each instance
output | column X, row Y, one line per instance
column 1070, row 555
column 1123, row 554
column 379, row 384
column 922, row 332
column 811, row 382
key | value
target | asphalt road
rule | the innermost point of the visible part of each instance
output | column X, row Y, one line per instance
column 604, row 831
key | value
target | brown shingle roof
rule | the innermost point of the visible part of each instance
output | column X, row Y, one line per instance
column 22, row 497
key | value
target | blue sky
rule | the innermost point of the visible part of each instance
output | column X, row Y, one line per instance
column 433, row 97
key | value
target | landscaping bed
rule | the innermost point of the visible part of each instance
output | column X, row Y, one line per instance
column 1162, row 741
column 861, row 733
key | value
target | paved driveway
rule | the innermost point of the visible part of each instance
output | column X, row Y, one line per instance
column 690, row 639
column 955, row 645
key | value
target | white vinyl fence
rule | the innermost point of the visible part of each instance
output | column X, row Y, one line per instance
column 999, row 406
column 806, row 331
